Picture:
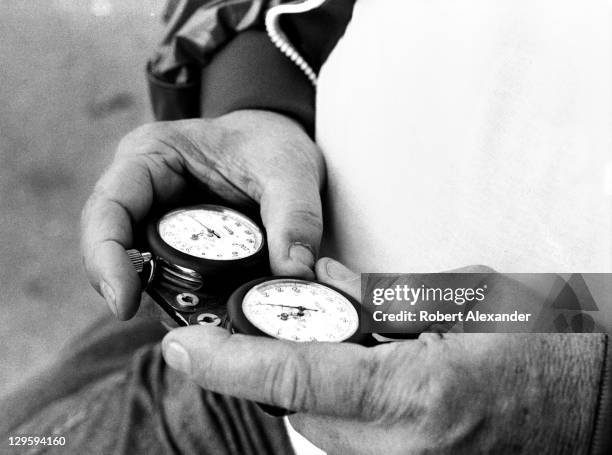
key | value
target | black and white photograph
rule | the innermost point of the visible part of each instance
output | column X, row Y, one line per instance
column 306, row 227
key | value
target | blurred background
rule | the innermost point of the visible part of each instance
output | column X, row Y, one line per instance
column 72, row 83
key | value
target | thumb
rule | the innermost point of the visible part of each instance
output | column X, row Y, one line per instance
column 335, row 274
column 322, row 378
column 292, row 215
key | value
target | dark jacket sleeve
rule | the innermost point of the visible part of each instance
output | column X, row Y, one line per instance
column 215, row 57
column 250, row 73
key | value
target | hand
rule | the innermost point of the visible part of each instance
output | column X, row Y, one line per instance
column 442, row 393
column 245, row 157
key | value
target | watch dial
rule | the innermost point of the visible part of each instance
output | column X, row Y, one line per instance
column 211, row 232
column 299, row 310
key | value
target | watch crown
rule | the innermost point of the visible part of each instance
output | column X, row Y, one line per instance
column 138, row 259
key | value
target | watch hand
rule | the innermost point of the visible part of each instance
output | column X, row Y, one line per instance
column 300, row 308
column 210, row 231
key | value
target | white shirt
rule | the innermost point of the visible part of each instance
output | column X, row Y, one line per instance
column 471, row 132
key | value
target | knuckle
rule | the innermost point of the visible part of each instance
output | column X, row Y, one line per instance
column 388, row 397
column 307, row 218
column 150, row 130
column 440, row 390
column 371, row 378
column 440, row 379
column 444, row 413
column 155, row 147
column 141, row 133
column 289, row 383
column 151, row 137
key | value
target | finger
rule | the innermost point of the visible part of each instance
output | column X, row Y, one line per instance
column 338, row 275
column 322, row 378
column 292, row 214
column 122, row 197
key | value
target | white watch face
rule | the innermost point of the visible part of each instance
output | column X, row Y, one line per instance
column 211, row 232
column 299, row 310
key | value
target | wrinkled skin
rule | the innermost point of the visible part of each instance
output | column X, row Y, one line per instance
column 246, row 157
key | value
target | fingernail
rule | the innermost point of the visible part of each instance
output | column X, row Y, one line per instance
column 338, row 272
column 109, row 296
column 177, row 357
column 301, row 252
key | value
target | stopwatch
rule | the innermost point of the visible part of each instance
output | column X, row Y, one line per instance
column 196, row 256
column 295, row 310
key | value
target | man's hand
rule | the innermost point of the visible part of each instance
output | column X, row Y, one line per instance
column 244, row 157
column 442, row 393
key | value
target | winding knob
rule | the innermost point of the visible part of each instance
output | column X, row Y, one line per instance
column 139, row 259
